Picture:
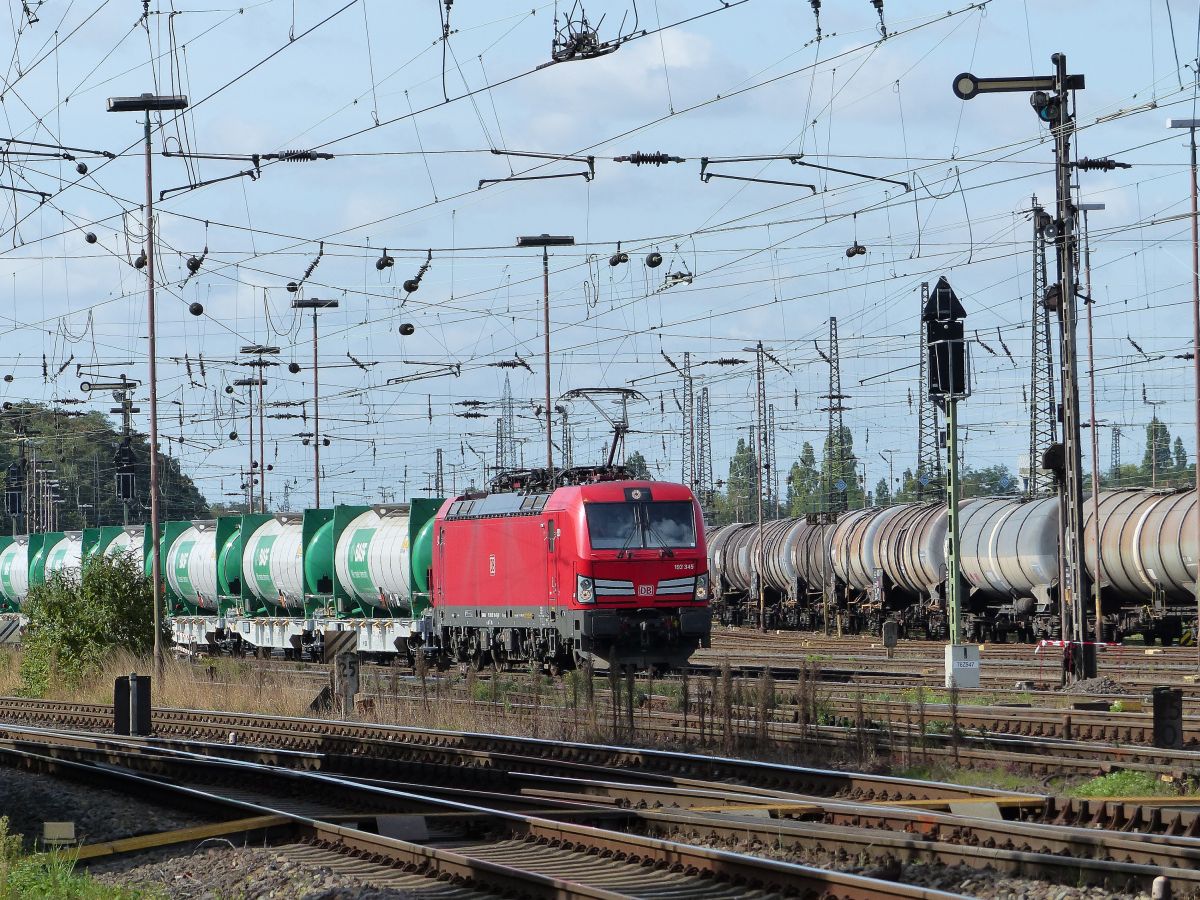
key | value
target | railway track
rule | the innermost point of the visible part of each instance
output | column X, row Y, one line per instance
column 546, row 838
column 489, row 850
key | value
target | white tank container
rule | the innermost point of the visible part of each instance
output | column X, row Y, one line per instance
column 66, row 555
column 272, row 561
column 128, row 541
column 1010, row 547
column 192, row 565
column 14, row 570
column 372, row 560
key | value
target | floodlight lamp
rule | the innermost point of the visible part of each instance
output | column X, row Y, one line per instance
column 148, row 103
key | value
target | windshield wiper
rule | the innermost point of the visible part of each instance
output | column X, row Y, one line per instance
column 633, row 531
column 663, row 549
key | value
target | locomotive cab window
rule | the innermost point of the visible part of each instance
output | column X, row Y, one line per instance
column 656, row 525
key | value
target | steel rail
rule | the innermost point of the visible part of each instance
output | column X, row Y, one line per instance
column 1076, row 854
column 693, row 867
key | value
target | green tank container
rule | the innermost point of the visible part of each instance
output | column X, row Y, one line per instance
column 318, row 543
column 14, row 572
column 112, row 539
column 229, row 562
column 272, row 555
column 65, row 554
column 377, row 556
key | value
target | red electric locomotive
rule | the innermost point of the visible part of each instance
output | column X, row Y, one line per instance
column 614, row 572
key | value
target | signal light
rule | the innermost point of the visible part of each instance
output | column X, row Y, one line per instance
column 1047, row 106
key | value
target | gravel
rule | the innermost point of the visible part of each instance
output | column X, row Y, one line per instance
column 985, row 884
column 219, row 870
column 30, row 799
column 1095, row 686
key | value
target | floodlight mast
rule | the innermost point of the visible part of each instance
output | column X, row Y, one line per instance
column 314, row 304
column 546, row 241
column 1085, row 208
column 1191, row 125
column 149, row 103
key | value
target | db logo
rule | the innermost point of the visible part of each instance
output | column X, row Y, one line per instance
column 645, row 590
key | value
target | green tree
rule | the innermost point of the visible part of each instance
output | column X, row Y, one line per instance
column 883, row 496
column 840, row 464
column 78, row 618
column 636, row 466
column 1181, row 463
column 907, row 491
column 990, row 482
column 803, row 484
column 739, row 503
column 80, row 450
column 1156, row 460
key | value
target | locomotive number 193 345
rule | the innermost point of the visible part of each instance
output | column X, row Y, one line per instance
column 684, row 567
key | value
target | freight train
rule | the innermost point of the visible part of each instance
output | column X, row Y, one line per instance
column 612, row 573
column 881, row 563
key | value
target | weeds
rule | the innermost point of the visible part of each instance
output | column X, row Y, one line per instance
column 1129, row 784
column 49, row 875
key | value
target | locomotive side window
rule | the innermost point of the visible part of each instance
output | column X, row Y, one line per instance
column 656, row 525
column 550, row 535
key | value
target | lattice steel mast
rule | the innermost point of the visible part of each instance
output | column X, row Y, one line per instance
column 704, row 452
column 1115, row 458
column 1043, row 413
column 929, row 459
column 835, row 463
column 688, row 463
column 772, row 469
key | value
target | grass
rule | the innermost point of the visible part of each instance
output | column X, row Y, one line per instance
column 50, row 875
column 1130, row 784
column 942, row 698
column 994, row 778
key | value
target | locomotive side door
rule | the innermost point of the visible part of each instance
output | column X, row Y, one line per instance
column 551, row 563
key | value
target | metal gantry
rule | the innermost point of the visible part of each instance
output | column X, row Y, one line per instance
column 1114, row 460
column 688, row 462
column 506, row 439
column 835, row 463
column 771, row 467
column 929, row 459
column 704, row 452
column 1043, row 413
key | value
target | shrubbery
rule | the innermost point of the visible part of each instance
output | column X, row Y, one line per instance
column 77, row 619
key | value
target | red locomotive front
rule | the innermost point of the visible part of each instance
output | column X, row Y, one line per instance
column 614, row 572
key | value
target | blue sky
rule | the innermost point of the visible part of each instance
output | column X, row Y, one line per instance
column 768, row 261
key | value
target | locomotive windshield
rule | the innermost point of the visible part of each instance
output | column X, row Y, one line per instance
column 634, row 526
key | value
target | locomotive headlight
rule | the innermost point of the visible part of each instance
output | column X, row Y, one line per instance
column 585, row 590
column 702, row 587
